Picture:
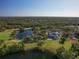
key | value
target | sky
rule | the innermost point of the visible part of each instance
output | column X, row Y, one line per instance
column 68, row 8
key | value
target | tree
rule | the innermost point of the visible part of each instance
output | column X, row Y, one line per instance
column 75, row 49
column 63, row 54
column 62, row 40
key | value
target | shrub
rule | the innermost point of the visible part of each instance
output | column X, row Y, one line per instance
column 10, row 46
column 62, row 40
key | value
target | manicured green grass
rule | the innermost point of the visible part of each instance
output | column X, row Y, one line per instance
column 67, row 45
column 5, row 34
column 29, row 46
column 51, row 45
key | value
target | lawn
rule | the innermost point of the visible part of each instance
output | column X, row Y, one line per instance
column 67, row 45
column 5, row 35
column 29, row 46
column 51, row 45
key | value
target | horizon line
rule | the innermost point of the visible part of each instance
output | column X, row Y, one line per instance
column 39, row 16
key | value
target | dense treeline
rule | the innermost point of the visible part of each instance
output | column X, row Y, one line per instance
column 53, row 20
column 17, row 22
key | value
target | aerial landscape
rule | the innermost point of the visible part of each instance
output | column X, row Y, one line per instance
column 45, row 29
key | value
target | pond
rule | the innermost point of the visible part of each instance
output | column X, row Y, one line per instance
column 54, row 35
column 22, row 35
column 33, row 54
